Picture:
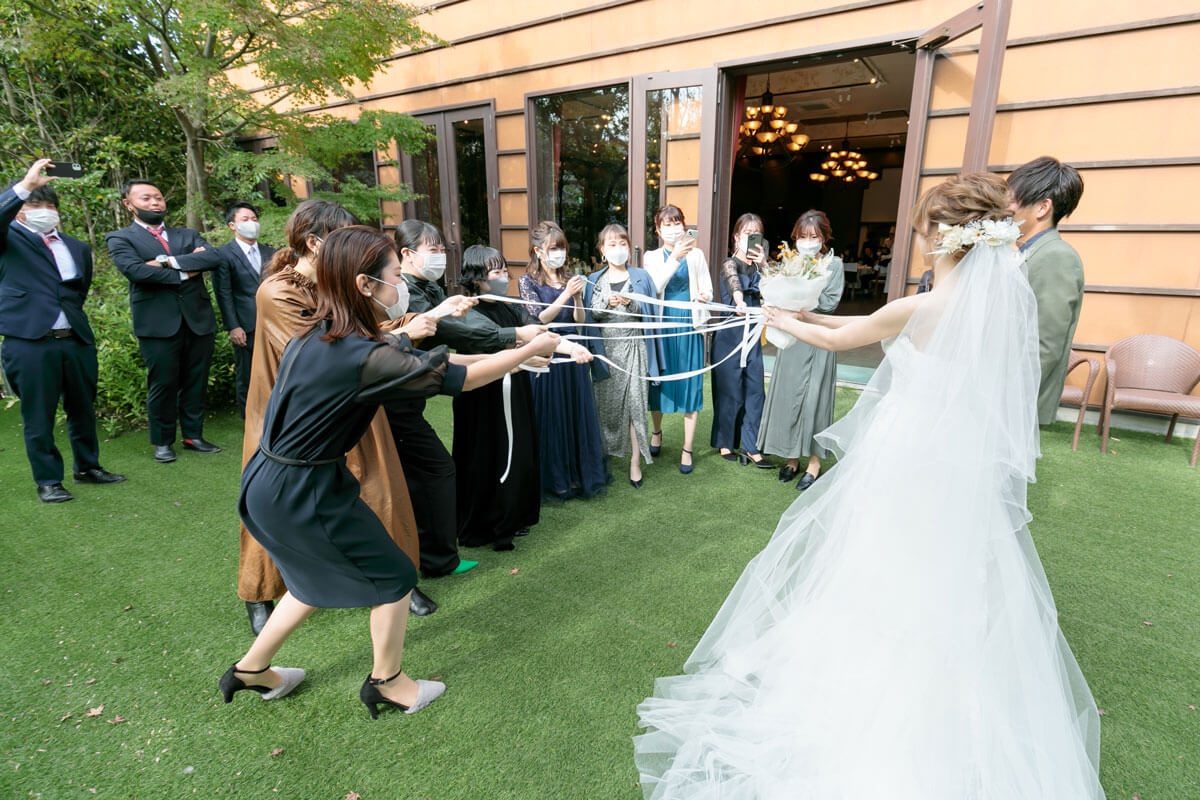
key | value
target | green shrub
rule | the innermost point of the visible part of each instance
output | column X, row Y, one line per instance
column 121, row 393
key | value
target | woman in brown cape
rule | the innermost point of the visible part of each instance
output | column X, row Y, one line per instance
column 286, row 299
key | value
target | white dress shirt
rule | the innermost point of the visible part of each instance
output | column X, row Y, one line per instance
column 253, row 254
column 67, row 270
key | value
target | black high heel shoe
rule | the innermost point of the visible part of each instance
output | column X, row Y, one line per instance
column 427, row 692
column 745, row 458
column 289, row 678
column 655, row 449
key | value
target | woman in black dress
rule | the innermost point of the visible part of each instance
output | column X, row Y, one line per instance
column 495, row 432
column 299, row 500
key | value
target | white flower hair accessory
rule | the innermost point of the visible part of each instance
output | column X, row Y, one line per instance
column 993, row 232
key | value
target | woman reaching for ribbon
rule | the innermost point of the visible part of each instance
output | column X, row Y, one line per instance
column 680, row 273
column 299, row 500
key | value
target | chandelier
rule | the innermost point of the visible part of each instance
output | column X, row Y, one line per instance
column 766, row 127
column 844, row 164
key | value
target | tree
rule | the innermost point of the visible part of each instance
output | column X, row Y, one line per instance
column 199, row 55
column 62, row 101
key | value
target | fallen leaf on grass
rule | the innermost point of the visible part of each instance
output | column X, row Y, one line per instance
column 46, row 681
column 127, row 608
column 90, row 681
column 66, row 716
column 436, row 678
column 276, row 751
column 514, row 570
column 1191, row 708
column 353, row 796
column 1102, row 712
column 116, row 719
column 670, row 644
column 95, row 712
column 1148, row 624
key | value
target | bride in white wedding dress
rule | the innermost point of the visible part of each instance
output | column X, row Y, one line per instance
column 897, row 639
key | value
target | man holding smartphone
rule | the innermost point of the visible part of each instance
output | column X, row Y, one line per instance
column 49, row 351
column 172, row 316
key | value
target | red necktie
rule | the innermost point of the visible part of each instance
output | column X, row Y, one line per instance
column 48, row 238
column 157, row 233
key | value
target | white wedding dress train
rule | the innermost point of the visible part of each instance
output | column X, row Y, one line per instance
column 897, row 639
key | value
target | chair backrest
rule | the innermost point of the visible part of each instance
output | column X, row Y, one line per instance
column 1155, row 362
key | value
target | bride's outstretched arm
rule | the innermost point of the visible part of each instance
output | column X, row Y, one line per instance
column 856, row 332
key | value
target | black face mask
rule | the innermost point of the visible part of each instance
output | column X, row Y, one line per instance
column 150, row 217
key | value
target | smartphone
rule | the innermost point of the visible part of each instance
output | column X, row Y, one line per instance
column 64, row 169
column 754, row 240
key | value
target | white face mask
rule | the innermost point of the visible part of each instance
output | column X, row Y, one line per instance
column 398, row 308
column 743, row 243
column 618, row 255
column 807, row 247
column 42, row 220
column 248, row 229
column 671, row 233
column 433, row 266
column 556, row 258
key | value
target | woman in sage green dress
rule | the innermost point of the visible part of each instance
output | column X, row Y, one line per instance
column 799, row 401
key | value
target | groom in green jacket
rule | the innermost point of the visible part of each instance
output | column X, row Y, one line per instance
column 1043, row 192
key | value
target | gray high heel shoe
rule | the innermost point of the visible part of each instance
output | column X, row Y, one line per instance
column 372, row 698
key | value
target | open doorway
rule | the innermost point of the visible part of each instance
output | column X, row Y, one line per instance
column 826, row 132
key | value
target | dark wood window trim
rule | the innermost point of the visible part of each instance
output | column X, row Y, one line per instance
column 518, row 151
column 512, row 112
column 512, row 190
column 1086, row 100
column 531, row 137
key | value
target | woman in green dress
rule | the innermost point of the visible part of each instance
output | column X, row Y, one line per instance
column 800, row 396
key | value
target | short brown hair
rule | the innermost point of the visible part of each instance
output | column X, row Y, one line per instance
column 749, row 218
column 816, row 222
column 1047, row 178
column 613, row 229
column 347, row 253
column 959, row 200
column 668, row 213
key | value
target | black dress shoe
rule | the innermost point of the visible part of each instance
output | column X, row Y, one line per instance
column 806, row 480
column 54, row 493
column 730, row 456
column 636, row 484
column 163, row 453
column 522, row 532
column 786, row 473
column 200, row 446
column 420, row 603
column 98, row 475
column 258, row 612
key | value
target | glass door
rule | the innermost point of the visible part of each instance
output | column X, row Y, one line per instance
column 456, row 178
column 671, row 162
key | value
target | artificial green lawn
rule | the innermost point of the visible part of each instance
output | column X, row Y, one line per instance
column 125, row 599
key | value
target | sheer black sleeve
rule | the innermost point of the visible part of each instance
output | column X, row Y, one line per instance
column 396, row 371
column 729, row 274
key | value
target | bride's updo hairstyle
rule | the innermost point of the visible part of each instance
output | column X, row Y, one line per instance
column 958, row 201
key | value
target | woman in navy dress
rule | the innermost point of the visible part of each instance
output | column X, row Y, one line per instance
column 572, row 446
column 299, row 500
column 680, row 273
column 738, row 391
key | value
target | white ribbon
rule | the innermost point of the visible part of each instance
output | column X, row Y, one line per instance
column 506, row 390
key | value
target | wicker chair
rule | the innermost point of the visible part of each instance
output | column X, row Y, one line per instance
column 1155, row 374
column 1073, row 395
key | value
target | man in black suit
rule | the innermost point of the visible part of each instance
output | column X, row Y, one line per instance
column 172, row 315
column 48, row 351
column 235, row 284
